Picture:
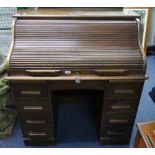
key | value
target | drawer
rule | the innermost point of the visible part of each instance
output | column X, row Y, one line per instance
column 36, row 120
column 30, row 90
column 115, row 131
column 32, row 105
column 39, row 142
column 37, row 133
column 120, row 105
column 123, row 90
column 72, row 85
column 118, row 119
column 108, row 140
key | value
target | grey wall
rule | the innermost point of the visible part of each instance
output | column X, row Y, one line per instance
column 151, row 39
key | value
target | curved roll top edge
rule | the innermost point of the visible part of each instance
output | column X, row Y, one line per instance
column 141, row 49
column 12, row 43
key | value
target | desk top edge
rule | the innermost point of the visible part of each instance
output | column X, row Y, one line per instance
column 67, row 78
column 75, row 12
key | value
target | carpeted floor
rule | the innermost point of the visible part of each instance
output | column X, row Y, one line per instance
column 76, row 127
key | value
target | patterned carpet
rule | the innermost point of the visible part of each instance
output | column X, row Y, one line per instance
column 84, row 126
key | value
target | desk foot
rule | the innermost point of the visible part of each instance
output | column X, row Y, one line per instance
column 39, row 142
column 114, row 140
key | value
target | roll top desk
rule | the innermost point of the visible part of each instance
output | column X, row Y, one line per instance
column 76, row 49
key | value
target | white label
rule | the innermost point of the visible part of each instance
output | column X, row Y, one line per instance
column 67, row 72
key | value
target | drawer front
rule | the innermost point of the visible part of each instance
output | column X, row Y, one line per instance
column 32, row 105
column 123, row 90
column 30, row 90
column 83, row 84
column 118, row 119
column 115, row 131
column 39, row 142
column 37, row 120
column 108, row 140
column 120, row 105
column 37, row 133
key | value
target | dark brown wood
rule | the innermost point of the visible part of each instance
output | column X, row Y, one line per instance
column 76, row 44
column 122, row 140
column 120, row 105
column 76, row 50
column 27, row 105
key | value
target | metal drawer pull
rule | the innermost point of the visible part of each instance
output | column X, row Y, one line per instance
column 120, row 107
column 37, row 134
column 115, row 133
column 33, row 108
column 44, row 72
column 111, row 72
column 35, row 122
column 127, row 91
column 27, row 92
column 115, row 121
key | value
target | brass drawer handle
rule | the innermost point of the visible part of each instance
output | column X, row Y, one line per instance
column 112, row 133
column 127, row 91
column 44, row 72
column 115, row 107
column 33, row 108
column 27, row 92
column 35, row 121
column 111, row 72
column 37, row 134
column 117, row 121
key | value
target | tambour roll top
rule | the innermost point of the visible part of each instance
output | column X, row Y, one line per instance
column 65, row 41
